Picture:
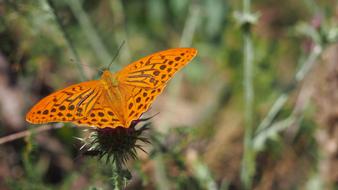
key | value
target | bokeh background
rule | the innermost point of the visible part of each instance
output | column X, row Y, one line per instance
column 225, row 122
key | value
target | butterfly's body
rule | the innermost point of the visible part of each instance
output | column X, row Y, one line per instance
column 113, row 93
column 117, row 95
column 116, row 99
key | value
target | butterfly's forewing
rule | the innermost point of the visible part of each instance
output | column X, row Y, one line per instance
column 67, row 105
column 156, row 69
column 145, row 79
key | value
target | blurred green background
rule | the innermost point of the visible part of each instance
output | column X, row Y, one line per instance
column 209, row 134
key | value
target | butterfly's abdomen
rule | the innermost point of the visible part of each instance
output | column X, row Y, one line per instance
column 114, row 95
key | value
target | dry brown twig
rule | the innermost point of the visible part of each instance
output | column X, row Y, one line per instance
column 27, row 132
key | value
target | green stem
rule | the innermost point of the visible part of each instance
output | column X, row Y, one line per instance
column 187, row 36
column 120, row 32
column 90, row 32
column 67, row 39
column 190, row 25
column 117, row 175
column 248, row 161
column 248, row 79
column 282, row 99
column 275, row 109
column 246, row 6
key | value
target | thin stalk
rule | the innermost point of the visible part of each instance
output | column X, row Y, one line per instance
column 187, row 36
column 120, row 33
column 248, row 160
column 90, row 32
column 311, row 60
column 26, row 133
column 69, row 43
column 294, row 120
column 248, row 154
column 246, row 6
column 282, row 99
column 248, row 79
column 190, row 25
column 275, row 109
column 117, row 175
column 260, row 140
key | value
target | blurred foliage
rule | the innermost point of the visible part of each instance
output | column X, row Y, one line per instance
column 197, row 140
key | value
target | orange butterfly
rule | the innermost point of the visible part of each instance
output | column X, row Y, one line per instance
column 116, row 99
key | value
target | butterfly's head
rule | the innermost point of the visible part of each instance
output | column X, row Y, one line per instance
column 109, row 78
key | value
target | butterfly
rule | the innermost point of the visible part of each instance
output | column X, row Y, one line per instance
column 116, row 99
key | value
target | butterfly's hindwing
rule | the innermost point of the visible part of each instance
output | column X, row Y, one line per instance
column 102, row 115
column 140, row 101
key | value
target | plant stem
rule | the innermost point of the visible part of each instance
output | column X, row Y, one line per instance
column 248, row 160
column 190, row 25
column 246, row 6
column 90, row 32
column 120, row 33
column 282, row 99
column 117, row 175
column 188, row 33
column 67, row 39
column 276, row 107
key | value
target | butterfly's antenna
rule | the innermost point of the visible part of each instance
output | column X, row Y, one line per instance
column 117, row 54
column 89, row 66
column 100, row 70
